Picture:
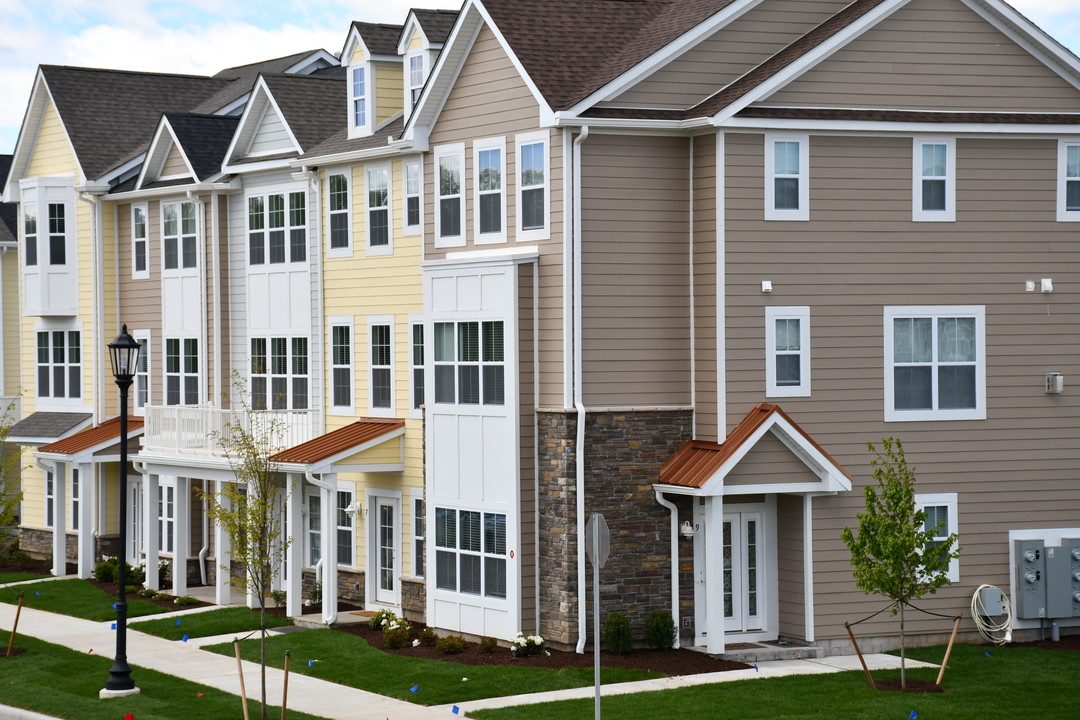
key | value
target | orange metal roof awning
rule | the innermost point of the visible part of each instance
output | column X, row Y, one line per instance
column 103, row 435
column 343, row 441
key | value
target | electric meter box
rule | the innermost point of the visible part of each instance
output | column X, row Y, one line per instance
column 1030, row 597
column 1062, row 579
column 992, row 601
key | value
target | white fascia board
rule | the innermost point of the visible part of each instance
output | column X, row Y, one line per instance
column 312, row 59
column 40, row 97
column 1029, row 36
column 351, row 42
column 87, row 455
column 122, row 170
column 148, row 193
column 478, row 258
column 244, row 119
column 810, row 59
column 250, row 167
column 411, row 25
column 260, row 91
column 284, row 120
column 666, row 54
column 537, row 95
column 850, row 127
column 353, row 155
column 153, row 164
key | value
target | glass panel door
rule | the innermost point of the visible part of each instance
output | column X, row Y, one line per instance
column 387, row 552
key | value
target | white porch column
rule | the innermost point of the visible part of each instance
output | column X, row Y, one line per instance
column 59, row 545
column 294, row 554
column 86, row 522
column 714, row 572
column 181, row 536
column 808, row 564
column 329, row 548
column 150, row 525
column 222, row 554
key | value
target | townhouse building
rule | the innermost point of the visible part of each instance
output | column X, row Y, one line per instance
column 496, row 271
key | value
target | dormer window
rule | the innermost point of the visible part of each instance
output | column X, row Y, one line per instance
column 358, row 119
column 416, row 79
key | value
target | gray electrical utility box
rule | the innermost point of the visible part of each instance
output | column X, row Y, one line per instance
column 992, row 601
column 1030, row 579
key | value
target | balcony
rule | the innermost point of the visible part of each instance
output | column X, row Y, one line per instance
column 206, row 431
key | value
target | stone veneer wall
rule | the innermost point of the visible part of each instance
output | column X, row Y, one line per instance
column 38, row 543
column 413, row 599
column 624, row 451
column 350, row 585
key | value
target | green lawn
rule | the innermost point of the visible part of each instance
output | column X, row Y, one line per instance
column 57, row 681
column 77, row 598
column 239, row 620
column 10, row 576
column 1010, row 683
column 348, row 660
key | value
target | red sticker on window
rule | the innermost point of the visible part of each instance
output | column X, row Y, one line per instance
column 511, row 554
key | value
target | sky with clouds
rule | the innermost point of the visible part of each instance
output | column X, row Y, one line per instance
column 204, row 36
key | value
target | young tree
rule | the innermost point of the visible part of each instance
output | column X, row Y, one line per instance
column 250, row 510
column 894, row 554
column 10, row 482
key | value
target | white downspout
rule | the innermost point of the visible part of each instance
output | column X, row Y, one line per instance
column 579, row 446
column 200, row 225
column 215, row 268
column 674, row 562
column 97, row 303
column 315, row 264
column 693, row 310
column 205, row 536
column 323, row 485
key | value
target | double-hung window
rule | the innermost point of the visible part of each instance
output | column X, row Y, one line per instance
column 419, row 534
column 338, row 203
column 166, row 513
column 181, row 371
column 450, row 195
column 314, row 529
column 279, row 373
column 532, row 186
column 416, row 79
column 341, row 365
column 57, row 234
column 277, row 228
column 178, row 236
column 59, row 364
column 416, row 362
column 935, row 363
column 380, row 364
column 140, row 248
column 934, row 175
column 469, row 363
column 489, row 203
column 787, row 351
column 76, row 498
column 346, row 530
column 358, row 101
column 413, row 197
column 470, row 552
column 50, row 499
column 30, row 236
column 142, row 372
column 941, row 522
column 787, row 177
column 380, row 233
column 1068, row 188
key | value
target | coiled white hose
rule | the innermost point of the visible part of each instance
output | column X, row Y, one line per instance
column 987, row 627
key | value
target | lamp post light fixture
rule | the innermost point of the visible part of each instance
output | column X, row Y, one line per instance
column 124, row 354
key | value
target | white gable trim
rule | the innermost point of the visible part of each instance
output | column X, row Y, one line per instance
column 351, row 42
column 40, row 98
column 310, row 63
column 412, row 25
column 164, row 140
column 670, row 52
column 261, row 101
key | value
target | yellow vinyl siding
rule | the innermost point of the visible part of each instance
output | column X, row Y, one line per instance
column 33, row 504
column 389, row 86
column 52, row 154
column 416, row 41
column 9, row 266
column 359, row 54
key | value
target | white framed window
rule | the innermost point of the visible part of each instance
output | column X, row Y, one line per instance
column 140, row 243
column 142, row 372
column 934, row 176
column 414, row 189
column 533, row 189
column 341, row 366
column 935, row 363
column 359, row 101
column 489, row 190
column 450, row 195
column 166, row 514
column 787, row 177
column 182, row 371
column 470, row 552
column 30, row 235
column 380, row 225
column 942, row 520
column 57, row 234
column 469, row 363
column 59, row 364
column 416, row 366
column 346, row 525
column 338, row 203
column 1068, row 186
column 50, row 499
column 76, row 498
column 313, row 525
column 179, row 234
column 419, row 532
column 279, row 373
column 787, row 352
column 416, row 78
column 381, row 365
column 277, row 228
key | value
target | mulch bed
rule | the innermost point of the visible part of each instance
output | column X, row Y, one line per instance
column 167, row 603
column 312, row 609
column 38, row 567
column 667, row 662
column 914, row 685
column 14, row 651
column 1067, row 642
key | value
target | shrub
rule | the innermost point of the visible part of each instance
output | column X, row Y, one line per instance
column 162, row 572
column 14, row 557
column 162, row 596
column 428, row 636
column 279, row 597
column 522, row 646
column 450, row 645
column 382, row 619
column 131, row 589
column 396, row 636
column 147, row 593
column 488, row 644
column 660, row 630
column 315, row 593
column 186, row 601
column 617, row 635
column 106, row 570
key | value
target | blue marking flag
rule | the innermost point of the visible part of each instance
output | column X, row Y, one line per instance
column 756, row 668
column 178, row 622
column 456, row 710
column 113, row 626
column 913, row 715
column 414, row 688
column 37, row 594
column 114, row 606
column 185, row 638
column 987, row 653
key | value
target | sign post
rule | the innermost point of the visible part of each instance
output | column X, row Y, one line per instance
column 597, row 547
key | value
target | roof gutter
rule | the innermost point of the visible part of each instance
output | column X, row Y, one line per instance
column 393, row 148
column 148, row 193
column 579, row 445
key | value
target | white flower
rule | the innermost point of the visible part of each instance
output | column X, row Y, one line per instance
column 416, row 643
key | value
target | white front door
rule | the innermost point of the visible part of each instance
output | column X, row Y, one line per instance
column 134, row 520
column 384, row 547
column 744, row 556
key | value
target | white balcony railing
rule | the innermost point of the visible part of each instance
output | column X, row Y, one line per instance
column 205, row 430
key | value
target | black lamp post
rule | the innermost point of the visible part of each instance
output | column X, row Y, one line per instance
column 124, row 353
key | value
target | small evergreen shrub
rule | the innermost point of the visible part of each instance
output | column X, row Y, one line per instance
column 186, row 601
column 106, row 570
column 617, row 635
column 147, row 593
column 396, row 634
column 279, row 597
column 315, row 593
column 488, row 644
column 450, row 645
column 660, row 630
column 428, row 636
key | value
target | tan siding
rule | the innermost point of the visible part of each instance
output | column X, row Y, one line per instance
column 860, row 252
column 705, row 346
column 490, row 99
column 791, row 577
column 728, row 54
column 635, row 270
column 527, row 428
column 769, row 462
column 932, row 54
column 174, row 163
column 140, row 300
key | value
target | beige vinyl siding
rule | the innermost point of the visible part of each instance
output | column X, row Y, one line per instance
column 728, row 54
column 635, row 267
column 790, row 570
column 140, row 300
column 768, row 463
column 174, row 163
column 859, row 252
column 526, row 345
column 490, row 99
column 706, row 425
column 937, row 55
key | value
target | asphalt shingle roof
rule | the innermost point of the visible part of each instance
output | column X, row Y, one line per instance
column 9, row 228
column 313, row 106
column 46, row 425
column 204, row 138
column 436, row 24
column 242, row 78
column 340, row 142
column 380, row 39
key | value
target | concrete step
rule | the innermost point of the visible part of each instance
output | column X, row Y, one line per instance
column 761, row 652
